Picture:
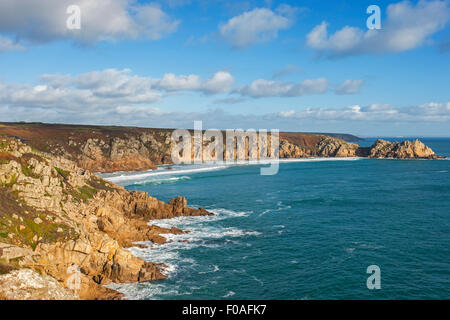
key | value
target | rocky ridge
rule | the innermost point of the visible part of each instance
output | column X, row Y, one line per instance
column 109, row 149
column 401, row 150
column 55, row 215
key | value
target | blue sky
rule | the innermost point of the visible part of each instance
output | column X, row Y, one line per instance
column 291, row 65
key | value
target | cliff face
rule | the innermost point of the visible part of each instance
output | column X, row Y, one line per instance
column 55, row 215
column 323, row 147
column 109, row 149
column 97, row 148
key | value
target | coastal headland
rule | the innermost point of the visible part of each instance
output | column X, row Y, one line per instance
column 64, row 230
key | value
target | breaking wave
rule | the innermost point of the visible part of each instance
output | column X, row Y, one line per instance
column 170, row 174
column 201, row 234
column 164, row 174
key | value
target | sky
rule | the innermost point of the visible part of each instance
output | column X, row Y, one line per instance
column 305, row 65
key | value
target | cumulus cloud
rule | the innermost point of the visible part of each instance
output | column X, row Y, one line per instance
column 430, row 112
column 105, row 89
column 120, row 97
column 406, row 27
column 266, row 88
column 8, row 45
column 220, row 82
column 43, row 21
column 98, row 89
column 349, row 87
column 256, row 26
column 381, row 120
column 122, row 91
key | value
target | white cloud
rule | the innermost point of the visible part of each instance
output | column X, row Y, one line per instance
column 8, row 45
column 106, row 89
column 43, row 21
column 374, row 120
column 265, row 88
column 349, row 87
column 429, row 112
column 314, row 86
column 93, row 90
column 172, row 82
column 406, row 27
column 155, row 23
column 220, row 82
column 256, row 26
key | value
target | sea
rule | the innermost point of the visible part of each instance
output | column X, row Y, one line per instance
column 312, row 231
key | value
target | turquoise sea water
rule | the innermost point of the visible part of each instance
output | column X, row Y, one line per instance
column 309, row 232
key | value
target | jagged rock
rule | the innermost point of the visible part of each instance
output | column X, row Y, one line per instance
column 83, row 221
column 324, row 147
column 9, row 252
column 334, row 147
column 25, row 284
column 401, row 150
column 178, row 204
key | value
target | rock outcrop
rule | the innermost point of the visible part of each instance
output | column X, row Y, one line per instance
column 325, row 147
column 55, row 216
column 97, row 148
column 25, row 284
column 401, row 150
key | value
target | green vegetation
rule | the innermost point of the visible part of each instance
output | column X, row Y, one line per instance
column 3, row 144
column 64, row 173
column 100, row 184
column 87, row 192
column 18, row 221
column 13, row 181
column 81, row 194
column 28, row 172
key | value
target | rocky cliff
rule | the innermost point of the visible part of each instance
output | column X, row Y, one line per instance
column 401, row 150
column 109, row 149
column 323, row 147
column 334, row 147
column 97, row 148
column 56, row 218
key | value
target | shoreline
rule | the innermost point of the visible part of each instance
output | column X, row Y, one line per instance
column 78, row 218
